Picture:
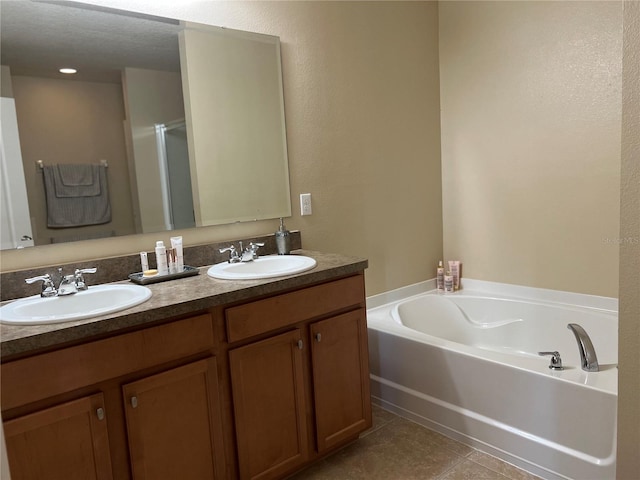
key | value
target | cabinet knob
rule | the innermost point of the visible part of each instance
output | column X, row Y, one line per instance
column 318, row 337
column 100, row 413
column 134, row 402
column 300, row 344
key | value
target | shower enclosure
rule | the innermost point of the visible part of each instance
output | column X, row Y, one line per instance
column 175, row 177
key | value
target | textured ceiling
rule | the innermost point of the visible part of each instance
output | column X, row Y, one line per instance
column 37, row 38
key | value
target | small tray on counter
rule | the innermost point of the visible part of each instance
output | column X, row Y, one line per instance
column 140, row 279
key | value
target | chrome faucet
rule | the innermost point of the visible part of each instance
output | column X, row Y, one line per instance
column 556, row 361
column 246, row 254
column 79, row 277
column 48, row 288
column 233, row 253
column 251, row 252
column 585, row 347
column 69, row 284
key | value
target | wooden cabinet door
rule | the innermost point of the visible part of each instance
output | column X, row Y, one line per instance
column 65, row 442
column 269, row 404
column 173, row 424
column 340, row 378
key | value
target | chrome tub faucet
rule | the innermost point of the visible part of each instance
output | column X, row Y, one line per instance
column 556, row 360
column 588, row 357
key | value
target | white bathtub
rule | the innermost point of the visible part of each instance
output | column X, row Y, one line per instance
column 467, row 365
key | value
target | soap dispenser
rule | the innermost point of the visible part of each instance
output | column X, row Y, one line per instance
column 283, row 240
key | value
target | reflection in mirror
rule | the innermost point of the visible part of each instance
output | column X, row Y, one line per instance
column 189, row 118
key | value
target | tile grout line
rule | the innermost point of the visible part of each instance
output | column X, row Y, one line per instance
column 458, row 462
column 509, row 476
column 458, row 457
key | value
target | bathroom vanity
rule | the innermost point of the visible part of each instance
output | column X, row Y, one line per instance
column 207, row 379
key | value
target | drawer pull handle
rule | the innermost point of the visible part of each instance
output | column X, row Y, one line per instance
column 318, row 337
column 100, row 413
column 300, row 344
column 134, row 402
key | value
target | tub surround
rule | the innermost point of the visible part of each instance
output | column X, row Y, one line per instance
column 501, row 289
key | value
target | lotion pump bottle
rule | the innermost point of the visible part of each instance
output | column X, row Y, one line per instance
column 283, row 240
column 161, row 258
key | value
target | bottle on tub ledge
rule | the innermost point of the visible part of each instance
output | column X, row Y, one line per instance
column 448, row 282
column 440, row 277
column 454, row 268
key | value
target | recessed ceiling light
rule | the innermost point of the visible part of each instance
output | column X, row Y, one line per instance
column 67, row 70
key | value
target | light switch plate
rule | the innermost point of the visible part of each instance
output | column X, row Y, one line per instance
column 305, row 204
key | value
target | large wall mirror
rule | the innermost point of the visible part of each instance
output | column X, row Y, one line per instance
column 186, row 121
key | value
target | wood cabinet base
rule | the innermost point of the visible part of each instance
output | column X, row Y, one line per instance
column 253, row 390
column 65, row 442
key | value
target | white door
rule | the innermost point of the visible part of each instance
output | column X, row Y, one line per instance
column 15, row 221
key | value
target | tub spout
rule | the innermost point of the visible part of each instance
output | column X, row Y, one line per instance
column 585, row 347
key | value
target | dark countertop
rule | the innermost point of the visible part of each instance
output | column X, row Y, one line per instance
column 172, row 299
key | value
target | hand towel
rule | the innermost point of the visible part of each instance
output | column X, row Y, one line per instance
column 76, row 180
column 76, row 205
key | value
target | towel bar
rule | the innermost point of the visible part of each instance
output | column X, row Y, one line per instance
column 40, row 163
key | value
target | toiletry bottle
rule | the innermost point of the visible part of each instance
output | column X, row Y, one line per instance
column 448, row 282
column 161, row 258
column 454, row 266
column 144, row 261
column 176, row 242
column 283, row 240
column 172, row 260
column 440, row 277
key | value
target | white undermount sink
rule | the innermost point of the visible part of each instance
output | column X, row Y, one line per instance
column 95, row 301
column 263, row 267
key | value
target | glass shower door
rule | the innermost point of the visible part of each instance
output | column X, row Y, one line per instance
column 175, row 175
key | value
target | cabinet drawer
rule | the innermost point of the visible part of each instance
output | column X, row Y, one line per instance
column 262, row 316
column 41, row 376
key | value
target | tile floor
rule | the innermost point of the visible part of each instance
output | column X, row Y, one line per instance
column 398, row 449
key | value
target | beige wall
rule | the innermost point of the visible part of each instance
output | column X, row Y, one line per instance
column 362, row 111
column 629, row 328
column 66, row 121
column 530, row 96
